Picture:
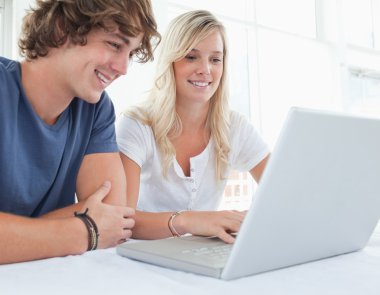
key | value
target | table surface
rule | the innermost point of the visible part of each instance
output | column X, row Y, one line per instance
column 104, row 272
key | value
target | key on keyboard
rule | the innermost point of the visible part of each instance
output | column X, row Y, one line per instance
column 214, row 252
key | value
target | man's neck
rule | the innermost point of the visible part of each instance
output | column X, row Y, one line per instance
column 43, row 89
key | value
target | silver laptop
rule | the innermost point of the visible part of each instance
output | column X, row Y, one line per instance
column 319, row 197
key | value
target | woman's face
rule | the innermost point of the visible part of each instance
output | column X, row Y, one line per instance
column 198, row 74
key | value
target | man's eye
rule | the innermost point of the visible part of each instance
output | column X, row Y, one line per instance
column 114, row 45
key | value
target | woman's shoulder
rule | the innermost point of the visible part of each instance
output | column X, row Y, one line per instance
column 238, row 119
column 130, row 118
column 132, row 121
column 135, row 139
column 241, row 127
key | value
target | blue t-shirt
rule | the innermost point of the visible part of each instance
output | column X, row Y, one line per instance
column 39, row 163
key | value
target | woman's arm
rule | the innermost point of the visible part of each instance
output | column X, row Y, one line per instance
column 202, row 223
column 258, row 170
column 132, row 173
column 155, row 225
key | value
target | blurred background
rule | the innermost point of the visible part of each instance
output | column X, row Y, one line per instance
column 322, row 54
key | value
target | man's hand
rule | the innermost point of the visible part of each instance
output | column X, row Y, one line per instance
column 114, row 222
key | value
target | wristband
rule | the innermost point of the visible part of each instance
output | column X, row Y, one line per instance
column 93, row 234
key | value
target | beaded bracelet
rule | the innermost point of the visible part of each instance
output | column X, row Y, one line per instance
column 93, row 234
column 171, row 226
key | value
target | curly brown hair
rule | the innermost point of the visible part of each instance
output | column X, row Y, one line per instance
column 52, row 22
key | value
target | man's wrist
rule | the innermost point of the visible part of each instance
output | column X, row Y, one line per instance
column 92, row 229
column 78, row 236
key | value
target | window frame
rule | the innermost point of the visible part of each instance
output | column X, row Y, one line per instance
column 6, row 21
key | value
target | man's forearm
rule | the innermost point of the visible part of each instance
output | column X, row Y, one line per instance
column 66, row 211
column 24, row 239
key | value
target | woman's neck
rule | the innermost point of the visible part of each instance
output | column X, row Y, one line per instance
column 193, row 118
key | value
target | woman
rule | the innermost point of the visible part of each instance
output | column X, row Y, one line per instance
column 179, row 146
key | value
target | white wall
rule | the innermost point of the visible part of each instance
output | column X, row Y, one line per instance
column 311, row 53
column 283, row 53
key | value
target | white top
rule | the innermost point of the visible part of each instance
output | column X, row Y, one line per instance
column 200, row 191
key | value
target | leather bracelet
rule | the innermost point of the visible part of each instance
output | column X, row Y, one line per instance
column 93, row 233
column 171, row 226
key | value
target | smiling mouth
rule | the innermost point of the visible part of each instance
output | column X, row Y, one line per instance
column 102, row 77
column 200, row 84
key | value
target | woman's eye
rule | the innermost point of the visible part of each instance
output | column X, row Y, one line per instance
column 216, row 60
column 190, row 57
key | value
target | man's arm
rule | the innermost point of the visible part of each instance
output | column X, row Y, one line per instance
column 95, row 169
column 60, row 233
column 24, row 239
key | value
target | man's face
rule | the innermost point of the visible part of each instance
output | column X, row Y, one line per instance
column 87, row 70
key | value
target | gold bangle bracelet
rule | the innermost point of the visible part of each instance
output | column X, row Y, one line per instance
column 171, row 226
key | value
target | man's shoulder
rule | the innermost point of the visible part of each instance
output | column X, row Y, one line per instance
column 5, row 62
column 10, row 75
column 9, row 68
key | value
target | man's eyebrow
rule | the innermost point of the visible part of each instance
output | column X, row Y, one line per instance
column 125, row 39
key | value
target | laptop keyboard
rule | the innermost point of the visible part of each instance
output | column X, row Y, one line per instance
column 216, row 252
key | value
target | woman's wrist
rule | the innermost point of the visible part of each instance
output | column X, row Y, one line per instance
column 180, row 222
column 171, row 226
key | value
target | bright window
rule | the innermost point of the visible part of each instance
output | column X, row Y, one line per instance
column 310, row 53
column 293, row 16
column 232, row 9
column 358, row 22
column 364, row 92
column 2, row 3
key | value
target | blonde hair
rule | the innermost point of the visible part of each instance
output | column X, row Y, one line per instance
column 183, row 34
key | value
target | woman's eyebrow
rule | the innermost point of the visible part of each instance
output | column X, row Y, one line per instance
column 214, row 51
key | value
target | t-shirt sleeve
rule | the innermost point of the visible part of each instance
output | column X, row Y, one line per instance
column 247, row 147
column 133, row 139
column 103, row 137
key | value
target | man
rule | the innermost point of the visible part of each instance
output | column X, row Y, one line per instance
column 57, row 138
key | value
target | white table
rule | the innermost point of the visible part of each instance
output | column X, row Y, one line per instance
column 104, row 272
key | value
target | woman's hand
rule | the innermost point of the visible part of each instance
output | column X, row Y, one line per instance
column 210, row 223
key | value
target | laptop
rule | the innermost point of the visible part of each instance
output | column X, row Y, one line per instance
column 318, row 197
